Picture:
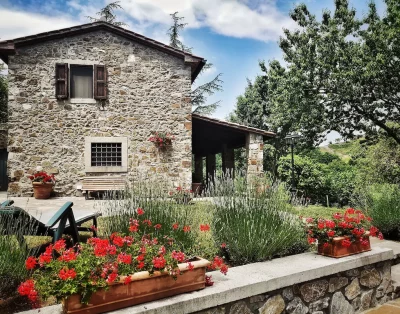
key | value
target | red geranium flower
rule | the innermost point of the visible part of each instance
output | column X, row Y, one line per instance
column 186, row 228
column 66, row 274
column 179, row 256
column 175, row 226
column 159, row 262
column 157, row 226
column 112, row 277
column 330, row 233
column 124, row 258
column 140, row 211
column 30, row 263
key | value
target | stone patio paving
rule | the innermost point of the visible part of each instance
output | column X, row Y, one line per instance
column 392, row 307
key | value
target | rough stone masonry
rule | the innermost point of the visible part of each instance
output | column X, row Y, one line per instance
column 347, row 292
column 148, row 90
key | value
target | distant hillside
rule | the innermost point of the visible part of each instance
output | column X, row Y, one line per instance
column 344, row 150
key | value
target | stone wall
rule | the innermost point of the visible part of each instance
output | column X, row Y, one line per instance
column 254, row 148
column 148, row 90
column 347, row 292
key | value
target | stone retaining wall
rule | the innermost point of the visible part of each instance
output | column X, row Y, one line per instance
column 347, row 292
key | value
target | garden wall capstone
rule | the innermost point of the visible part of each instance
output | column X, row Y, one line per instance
column 299, row 284
column 148, row 90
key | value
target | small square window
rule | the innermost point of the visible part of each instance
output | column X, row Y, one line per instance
column 106, row 155
column 81, row 81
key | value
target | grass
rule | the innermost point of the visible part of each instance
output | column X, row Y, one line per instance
column 317, row 211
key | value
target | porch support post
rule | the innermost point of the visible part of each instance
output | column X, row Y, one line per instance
column 210, row 167
column 198, row 169
column 228, row 161
column 254, row 150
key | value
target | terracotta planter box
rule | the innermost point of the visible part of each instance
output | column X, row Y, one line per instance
column 143, row 288
column 42, row 190
column 336, row 249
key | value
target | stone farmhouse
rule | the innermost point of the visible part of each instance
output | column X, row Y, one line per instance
column 83, row 101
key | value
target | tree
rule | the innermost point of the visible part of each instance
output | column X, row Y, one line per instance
column 3, row 96
column 106, row 14
column 271, row 103
column 347, row 66
column 200, row 94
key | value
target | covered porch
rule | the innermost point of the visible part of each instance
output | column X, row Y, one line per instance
column 212, row 136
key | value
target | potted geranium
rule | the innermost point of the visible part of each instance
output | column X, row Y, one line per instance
column 106, row 274
column 343, row 235
column 161, row 139
column 43, row 184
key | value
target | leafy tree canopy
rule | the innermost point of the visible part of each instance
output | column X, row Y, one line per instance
column 348, row 67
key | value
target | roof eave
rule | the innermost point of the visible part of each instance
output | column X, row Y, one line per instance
column 243, row 128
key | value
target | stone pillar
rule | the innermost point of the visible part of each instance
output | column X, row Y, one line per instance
column 198, row 169
column 228, row 161
column 254, row 149
column 210, row 167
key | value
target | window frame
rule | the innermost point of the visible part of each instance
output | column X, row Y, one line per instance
column 88, row 154
column 77, row 99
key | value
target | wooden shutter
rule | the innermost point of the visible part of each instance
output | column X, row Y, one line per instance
column 100, row 80
column 62, row 80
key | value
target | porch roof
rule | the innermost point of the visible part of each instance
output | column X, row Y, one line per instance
column 210, row 135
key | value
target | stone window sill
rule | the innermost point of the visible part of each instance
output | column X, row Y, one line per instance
column 82, row 101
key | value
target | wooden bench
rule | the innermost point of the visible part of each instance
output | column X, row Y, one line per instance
column 102, row 184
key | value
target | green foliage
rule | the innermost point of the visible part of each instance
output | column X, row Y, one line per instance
column 309, row 176
column 13, row 249
column 347, row 67
column 382, row 203
column 107, row 14
column 318, row 175
column 199, row 94
column 319, row 156
column 160, row 209
column 174, row 33
column 255, row 221
column 380, row 163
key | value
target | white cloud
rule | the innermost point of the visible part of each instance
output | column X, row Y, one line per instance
column 15, row 24
column 260, row 20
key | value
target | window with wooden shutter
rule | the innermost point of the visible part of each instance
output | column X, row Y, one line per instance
column 62, row 80
column 100, row 79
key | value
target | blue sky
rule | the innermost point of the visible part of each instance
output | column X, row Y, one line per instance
column 232, row 34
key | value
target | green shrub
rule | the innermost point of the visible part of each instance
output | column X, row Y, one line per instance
column 382, row 203
column 254, row 221
column 12, row 259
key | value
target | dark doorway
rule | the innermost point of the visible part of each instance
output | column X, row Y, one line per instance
column 3, row 170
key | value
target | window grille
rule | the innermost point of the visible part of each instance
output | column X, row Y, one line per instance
column 106, row 154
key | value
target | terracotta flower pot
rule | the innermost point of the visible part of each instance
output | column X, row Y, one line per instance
column 142, row 288
column 336, row 249
column 42, row 190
